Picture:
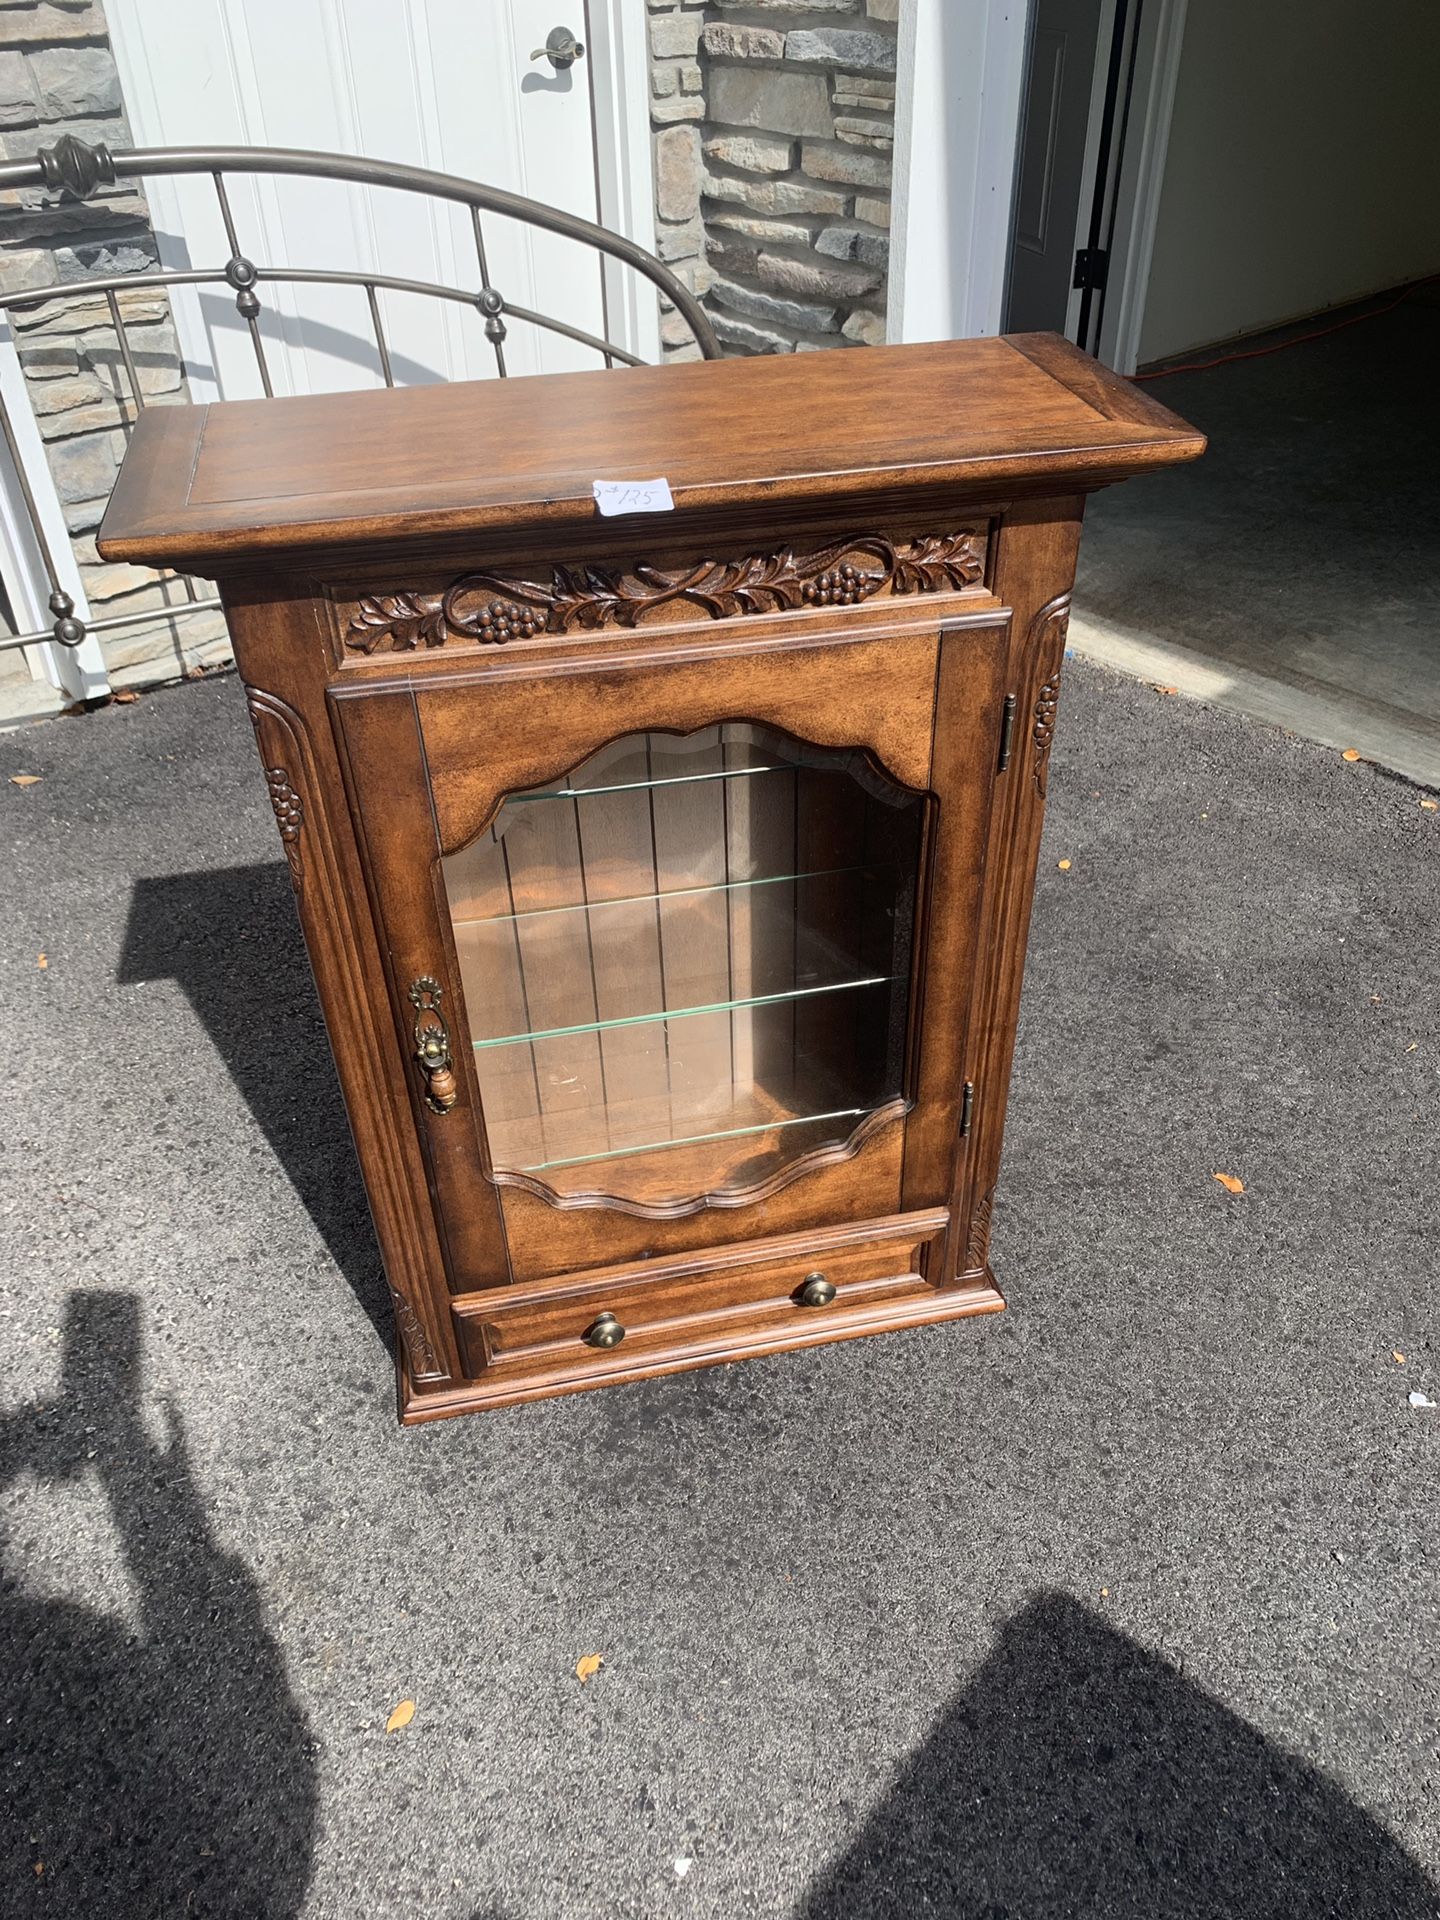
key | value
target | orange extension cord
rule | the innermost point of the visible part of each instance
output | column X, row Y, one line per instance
column 1258, row 353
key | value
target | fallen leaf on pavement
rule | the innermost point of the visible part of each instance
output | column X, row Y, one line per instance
column 1350, row 753
column 401, row 1717
column 1430, row 806
column 1159, row 689
column 1229, row 1182
column 125, row 697
column 588, row 1665
column 1397, row 1356
column 41, row 961
column 25, row 779
column 1064, row 865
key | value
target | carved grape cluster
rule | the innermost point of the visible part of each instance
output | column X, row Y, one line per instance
column 839, row 587
column 501, row 620
column 289, row 816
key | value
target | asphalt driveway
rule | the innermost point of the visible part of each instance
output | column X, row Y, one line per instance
column 1121, row 1603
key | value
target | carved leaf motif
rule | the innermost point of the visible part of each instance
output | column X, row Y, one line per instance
column 496, row 607
column 405, row 620
column 940, row 562
column 979, row 1237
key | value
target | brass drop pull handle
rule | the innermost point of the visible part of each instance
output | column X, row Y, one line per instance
column 432, row 1045
column 606, row 1332
column 561, row 49
column 817, row 1291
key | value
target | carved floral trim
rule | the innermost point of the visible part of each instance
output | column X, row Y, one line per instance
column 284, row 799
column 421, row 1355
column 1048, row 633
column 492, row 608
column 978, row 1242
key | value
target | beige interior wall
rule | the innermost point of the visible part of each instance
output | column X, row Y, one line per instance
column 1302, row 168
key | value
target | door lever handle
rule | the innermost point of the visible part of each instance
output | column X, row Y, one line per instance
column 561, row 49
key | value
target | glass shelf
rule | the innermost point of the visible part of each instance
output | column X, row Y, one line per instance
column 645, row 899
column 678, row 1013
column 682, row 969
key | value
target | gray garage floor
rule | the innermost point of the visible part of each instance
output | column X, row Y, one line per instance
column 1121, row 1603
column 1295, row 572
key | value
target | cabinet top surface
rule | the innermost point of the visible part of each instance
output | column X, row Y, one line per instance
column 229, row 483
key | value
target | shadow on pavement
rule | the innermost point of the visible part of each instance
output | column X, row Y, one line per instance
column 165, row 1769
column 1080, row 1776
column 231, row 939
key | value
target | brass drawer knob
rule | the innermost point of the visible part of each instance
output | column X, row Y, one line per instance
column 817, row 1291
column 606, row 1332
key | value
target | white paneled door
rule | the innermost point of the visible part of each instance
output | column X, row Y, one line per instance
column 445, row 84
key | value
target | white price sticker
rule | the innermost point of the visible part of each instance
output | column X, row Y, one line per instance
column 614, row 497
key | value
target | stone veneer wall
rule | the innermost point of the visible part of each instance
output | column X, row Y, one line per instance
column 774, row 124
column 57, row 75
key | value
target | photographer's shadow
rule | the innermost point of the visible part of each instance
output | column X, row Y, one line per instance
column 230, row 937
column 1079, row 1777
column 163, row 1768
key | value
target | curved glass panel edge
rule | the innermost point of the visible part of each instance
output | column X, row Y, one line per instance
column 690, row 967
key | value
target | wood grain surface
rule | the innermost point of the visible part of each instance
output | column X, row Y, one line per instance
column 215, row 486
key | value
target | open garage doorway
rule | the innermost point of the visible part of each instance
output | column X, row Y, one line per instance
column 1248, row 206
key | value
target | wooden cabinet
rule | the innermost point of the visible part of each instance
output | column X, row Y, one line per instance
column 666, row 877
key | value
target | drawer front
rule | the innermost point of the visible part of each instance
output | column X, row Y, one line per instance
column 796, row 1292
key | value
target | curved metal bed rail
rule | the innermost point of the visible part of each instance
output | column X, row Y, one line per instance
column 79, row 170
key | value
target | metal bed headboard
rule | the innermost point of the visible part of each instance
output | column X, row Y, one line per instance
column 71, row 167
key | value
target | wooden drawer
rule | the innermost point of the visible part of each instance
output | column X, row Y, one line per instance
column 714, row 1306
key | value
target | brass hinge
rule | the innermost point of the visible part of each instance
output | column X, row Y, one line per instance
column 967, row 1107
column 1007, row 731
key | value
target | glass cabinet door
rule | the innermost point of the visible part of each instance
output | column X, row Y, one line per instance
column 686, row 966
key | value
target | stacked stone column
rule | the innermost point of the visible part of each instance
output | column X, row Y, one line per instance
column 774, row 129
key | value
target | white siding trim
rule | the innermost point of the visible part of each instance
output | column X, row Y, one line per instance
column 958, row 104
